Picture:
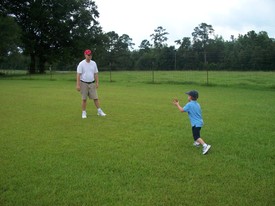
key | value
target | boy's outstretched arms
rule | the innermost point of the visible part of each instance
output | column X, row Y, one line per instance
column 177, row 104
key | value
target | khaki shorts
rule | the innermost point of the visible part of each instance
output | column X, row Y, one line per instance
column 88, row 90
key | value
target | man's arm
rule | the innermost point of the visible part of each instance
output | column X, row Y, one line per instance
column 78, row 82
column 96, row 80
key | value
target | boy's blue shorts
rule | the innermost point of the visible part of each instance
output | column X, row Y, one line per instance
column 196, row 132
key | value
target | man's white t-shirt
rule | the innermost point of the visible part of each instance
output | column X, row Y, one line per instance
column 87, row 70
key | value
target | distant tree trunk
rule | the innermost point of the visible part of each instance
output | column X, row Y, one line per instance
column 41, row 65
column 32, row 64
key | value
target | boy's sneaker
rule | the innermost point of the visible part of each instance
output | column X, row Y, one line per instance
column 84, row 115
column 206, row 149
column 196, row 144
column 101, row 113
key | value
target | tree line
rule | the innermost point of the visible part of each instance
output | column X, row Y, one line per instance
column 39, row 34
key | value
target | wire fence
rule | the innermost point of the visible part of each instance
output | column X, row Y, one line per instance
column 248, row 79
column 208, row 78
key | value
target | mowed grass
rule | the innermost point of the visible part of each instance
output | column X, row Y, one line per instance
column 141, row 153
column 253, row 80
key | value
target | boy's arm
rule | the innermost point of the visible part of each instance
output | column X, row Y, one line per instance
column 177, row 104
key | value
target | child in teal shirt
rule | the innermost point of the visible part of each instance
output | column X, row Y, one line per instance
column 195, row 115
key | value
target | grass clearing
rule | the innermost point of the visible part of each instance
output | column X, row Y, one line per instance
column 141, row 153
column 251, row 80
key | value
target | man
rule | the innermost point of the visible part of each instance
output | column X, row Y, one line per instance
column 87, row 82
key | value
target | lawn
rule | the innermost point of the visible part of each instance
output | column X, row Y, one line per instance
column 141, row 153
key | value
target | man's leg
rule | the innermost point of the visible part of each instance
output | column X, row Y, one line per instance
column 99, row 110
column 96, row 101
column 84, row 105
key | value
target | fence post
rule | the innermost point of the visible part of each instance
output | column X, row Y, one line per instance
column 153, row 75
column 175, row 60
column 110, row 71
column 207, row 76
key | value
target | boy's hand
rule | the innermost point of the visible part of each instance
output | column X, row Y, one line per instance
column 175, row 101
column 177, row 104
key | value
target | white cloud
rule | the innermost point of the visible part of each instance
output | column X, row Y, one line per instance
column 139, row 18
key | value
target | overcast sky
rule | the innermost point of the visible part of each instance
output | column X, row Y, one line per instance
column 139, row 18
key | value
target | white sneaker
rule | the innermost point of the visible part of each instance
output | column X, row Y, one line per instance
column 206, row 149
column 101, row 113
column 196, row 144
column 84, row 115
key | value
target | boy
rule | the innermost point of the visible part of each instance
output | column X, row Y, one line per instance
column 194, row 112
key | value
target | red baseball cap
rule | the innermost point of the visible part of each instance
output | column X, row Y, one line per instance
column 87, row 52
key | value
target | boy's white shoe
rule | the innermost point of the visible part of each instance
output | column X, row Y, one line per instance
column 101, row 113
column 84, row 115
column 196, row 144
column 206, row 149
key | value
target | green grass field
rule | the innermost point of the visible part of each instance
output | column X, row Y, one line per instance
column 141, row 153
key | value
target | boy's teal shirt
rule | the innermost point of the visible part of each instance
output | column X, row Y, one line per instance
column 193, row 109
